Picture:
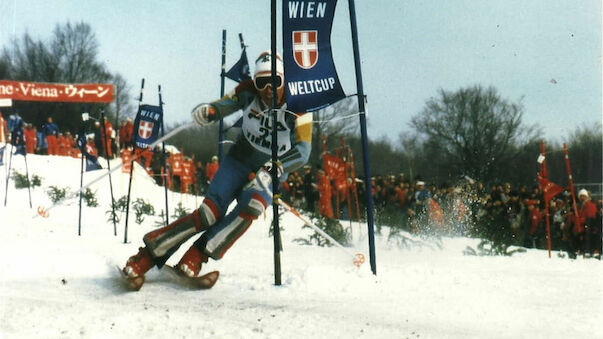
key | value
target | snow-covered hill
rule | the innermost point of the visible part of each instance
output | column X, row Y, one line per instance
column 56, row 284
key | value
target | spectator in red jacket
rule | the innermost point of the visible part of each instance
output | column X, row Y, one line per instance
column 533, row 224
column 125, row 134
column 588, row 222
column 211, row 168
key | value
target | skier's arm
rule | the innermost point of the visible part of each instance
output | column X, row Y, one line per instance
column 299, row 154
column 239, row 98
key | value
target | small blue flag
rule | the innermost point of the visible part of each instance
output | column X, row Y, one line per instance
column 240, row 70
column 91, row 161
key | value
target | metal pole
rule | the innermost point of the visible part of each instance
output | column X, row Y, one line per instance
column 546, row 202
column 105, row 146
column 10, row 163
column 79, row 224
column 165, row 188
column 27, row 176
column 364, row 135
column 275, row 181
column 132, row 170
column 571, row 182
column 222, row 77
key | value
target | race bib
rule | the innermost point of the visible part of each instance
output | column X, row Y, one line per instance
column 257, row 128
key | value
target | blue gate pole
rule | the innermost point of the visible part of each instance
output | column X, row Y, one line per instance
column 364, row 135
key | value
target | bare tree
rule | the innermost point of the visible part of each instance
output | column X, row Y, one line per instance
column 70, row 56
column 474, row 130
column 334, row 122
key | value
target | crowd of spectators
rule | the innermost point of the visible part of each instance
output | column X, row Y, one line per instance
column 50, row 139
column 512, row 214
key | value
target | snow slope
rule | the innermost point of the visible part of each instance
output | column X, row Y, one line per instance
column 56, row 284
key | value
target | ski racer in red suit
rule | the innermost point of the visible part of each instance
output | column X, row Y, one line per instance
column 235, row 179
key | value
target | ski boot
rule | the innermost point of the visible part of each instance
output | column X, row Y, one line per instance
column 136, row 267
column 190, row 264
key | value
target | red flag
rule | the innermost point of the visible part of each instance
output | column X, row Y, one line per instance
column 335, row 167
column 549, row 189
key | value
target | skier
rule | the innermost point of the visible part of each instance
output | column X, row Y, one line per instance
column 243, row 174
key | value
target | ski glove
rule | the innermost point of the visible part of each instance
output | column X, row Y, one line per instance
column 279, row 168
column 204, row 114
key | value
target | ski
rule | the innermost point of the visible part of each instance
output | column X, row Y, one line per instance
column 202, row 282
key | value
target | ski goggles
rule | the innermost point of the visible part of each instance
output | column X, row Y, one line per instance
column 261, row 82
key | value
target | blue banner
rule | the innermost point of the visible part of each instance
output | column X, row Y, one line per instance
column 310, row 76
column 147, row 126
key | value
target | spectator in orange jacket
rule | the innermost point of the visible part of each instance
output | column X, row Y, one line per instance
column 61, row 145
column 324, row 194
column 211, row 168
column 106, row 142
column 3, row 129
column 30, row 138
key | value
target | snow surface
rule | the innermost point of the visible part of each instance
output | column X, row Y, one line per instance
column 56, row 284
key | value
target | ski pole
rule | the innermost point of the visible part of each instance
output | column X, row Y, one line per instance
column 358, row 258
column 44, row 211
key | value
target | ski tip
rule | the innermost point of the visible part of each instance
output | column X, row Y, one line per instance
column 131, row 284
column 208, row 280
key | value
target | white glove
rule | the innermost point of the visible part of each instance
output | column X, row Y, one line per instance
column 204, row 114
column 279, row 168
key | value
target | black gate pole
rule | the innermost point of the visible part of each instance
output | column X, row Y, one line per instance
column 132, row 169
column 275, row 181
column 105, row 146
column 165, row 173
column 222, row 77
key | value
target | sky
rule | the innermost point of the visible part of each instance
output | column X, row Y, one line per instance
column 543, row 54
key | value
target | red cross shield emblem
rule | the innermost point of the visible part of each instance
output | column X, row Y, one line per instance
column 145, row 129
column 305, row 48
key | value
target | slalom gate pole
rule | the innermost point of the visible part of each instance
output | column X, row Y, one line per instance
column 105, row 147
column 546, row 202
column 165, row 188
column 571, row 183
column 364, row 134
column 79, row 223
column 274, row 171
column 358, row 258
column 132, row 167
column 44, row 211
column 10, row 163
column 27, row 176
column 128, row 200
column 222, row 78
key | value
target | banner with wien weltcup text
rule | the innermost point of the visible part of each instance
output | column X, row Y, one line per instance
column 311, row 80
